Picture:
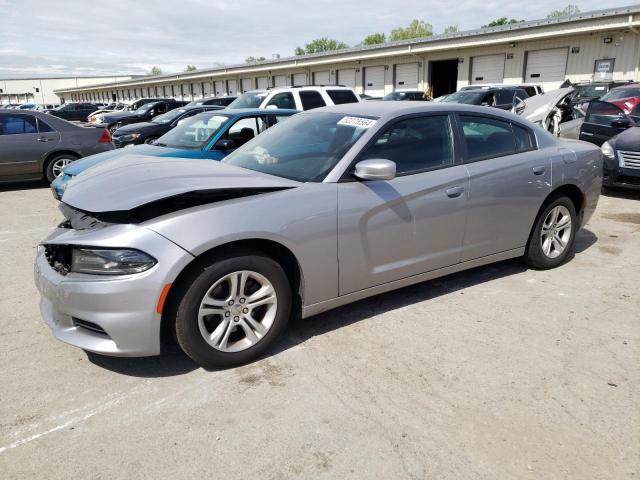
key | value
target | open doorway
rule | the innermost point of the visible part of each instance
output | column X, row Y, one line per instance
column 443, row 77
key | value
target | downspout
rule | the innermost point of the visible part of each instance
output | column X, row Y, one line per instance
column 421, row 61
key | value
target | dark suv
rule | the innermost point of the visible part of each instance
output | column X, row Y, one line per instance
column 216, row 101
column 144, row 113
column 73, row 111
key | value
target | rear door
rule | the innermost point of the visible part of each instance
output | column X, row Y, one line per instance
column 23, row 145
column 509, row 179
column 602, row 121
column 414, row 223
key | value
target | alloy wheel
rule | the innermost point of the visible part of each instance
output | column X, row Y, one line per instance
column 59, row 164
column 556, row 231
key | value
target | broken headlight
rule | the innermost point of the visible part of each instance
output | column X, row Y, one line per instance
column 97, row 261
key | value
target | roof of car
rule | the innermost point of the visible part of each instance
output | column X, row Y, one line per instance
column 631, row 85
column 241, row 112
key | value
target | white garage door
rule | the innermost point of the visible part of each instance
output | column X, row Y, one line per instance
column 374, row 81
column 487, row 69
column 299, row 79
column 280, row 81
column 232, row 87
column 322, row 78
column 347, row 77
column 220, row 88
column 263, row 83
column 547, row 67
column 247, row 84
column 406, row 76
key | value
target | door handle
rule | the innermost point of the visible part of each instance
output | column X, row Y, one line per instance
column 42, row 139
column 454, row 192
column 539, row 170
column 588, row 134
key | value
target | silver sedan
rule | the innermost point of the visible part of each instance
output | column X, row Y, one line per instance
column 331, row 206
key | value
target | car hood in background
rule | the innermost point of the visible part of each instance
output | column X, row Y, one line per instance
column 629, row 140
column 134, row 181
column 538, row 107
column 137, row 127
column 116, row 116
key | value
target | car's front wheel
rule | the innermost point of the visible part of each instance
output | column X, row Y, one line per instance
column 553, row 234
column 231, row 310
column 56, row 164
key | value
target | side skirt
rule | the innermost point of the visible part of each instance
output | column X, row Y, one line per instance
column 320, row 307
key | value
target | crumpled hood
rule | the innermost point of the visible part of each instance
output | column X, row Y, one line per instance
column 539, row 106
column 133, row 181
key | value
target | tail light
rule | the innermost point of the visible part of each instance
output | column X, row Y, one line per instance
column 105, row 137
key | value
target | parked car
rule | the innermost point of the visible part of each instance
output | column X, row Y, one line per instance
column 144, row 113
column 365, row 98
column 298, row 98
column 34, row 145
column 622, row 159
column 531, row 88
column 503, row 98
column 10, row 106
column 585, row 92
column 219, row 101
column 206, row 136
column 27, row 106
column 41, row 107
column 148, row 132
column 112, row 107
column 73, row 111
column 406, row 95
column 554, row 112
column 302, row 219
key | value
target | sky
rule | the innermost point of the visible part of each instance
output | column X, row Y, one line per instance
column 87, row 37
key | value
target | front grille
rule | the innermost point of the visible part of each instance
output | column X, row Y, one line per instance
column 92, row 327
column 59, row 257
column 629, row 159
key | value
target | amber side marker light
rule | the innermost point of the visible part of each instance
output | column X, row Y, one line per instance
column 163, row 297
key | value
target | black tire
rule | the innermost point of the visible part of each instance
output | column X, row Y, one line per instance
column 52, row 165
column 534, row 255
column 197, row 283
column 150, row 140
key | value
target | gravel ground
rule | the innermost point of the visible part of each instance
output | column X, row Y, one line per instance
column 496, row 373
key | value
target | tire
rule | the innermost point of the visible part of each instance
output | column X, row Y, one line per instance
column 545, row 250
column 150, row 140
column 208, row 288
column 56, row 163
column 113, row 128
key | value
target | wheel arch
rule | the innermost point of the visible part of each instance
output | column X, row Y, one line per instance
column 54, row 153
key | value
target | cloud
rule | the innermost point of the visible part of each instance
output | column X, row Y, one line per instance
column 125, row 37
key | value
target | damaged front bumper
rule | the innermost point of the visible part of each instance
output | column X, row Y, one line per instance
column 111, row 315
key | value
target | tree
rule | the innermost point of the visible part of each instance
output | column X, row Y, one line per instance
column 451, row 29
column 416, row 29
column 501, row 21
column 253, row 59
column 190, row 68
column 568, row 10
column 155, row 71
column 318, row 45
column 374, row 39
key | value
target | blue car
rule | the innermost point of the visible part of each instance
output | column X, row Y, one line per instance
column 207, row 136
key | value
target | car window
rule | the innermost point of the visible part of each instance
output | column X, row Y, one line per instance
column 17, row 124
column 311, row 99
column 415, row 144
column 282, row 100
column 602, row 113
column 504, row 97
column 338, row 97
column 44, row 127
column 245, row 129
column 194, row 132
column 487, row 137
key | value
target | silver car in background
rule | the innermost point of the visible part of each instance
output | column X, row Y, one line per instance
column 332, row 206
column 35, row 145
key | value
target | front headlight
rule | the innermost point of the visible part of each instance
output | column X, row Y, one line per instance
column 99, row 261
column 607, row 150
column 130, row 136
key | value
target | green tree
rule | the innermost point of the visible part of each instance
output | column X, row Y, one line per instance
column 416, row 29
column 501, row 21
column 451, row 29
column 568, row 10
column 374, row 39
column 155, row 71
column 190, row 68
column 253, row 59
column 323, row 44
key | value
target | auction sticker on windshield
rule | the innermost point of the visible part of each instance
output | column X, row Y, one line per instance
column 357, row 122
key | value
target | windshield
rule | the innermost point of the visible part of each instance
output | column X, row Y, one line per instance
column 471, row 97
column 618, row 93
column 394, row 96
column 170, row 116
column 591, row 91
column 194, row 133
column 304, row 148
column 144, row 108
column 249, row 100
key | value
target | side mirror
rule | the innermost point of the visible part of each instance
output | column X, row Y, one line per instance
column 519, row 107
column 376, row 169
column 224, row 144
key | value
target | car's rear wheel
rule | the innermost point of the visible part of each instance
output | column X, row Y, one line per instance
column 553, row 234
column 232, row 309
column 150, row 140
column 56, row 164
column 113, row 128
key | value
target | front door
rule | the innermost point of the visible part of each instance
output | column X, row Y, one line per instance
column 22, row 146
column 603, row 121
column 388, row 230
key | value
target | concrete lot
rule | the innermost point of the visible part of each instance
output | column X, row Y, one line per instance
column 496, row 373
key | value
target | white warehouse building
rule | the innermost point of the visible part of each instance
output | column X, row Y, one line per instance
column 41, row 90
column 595, row 45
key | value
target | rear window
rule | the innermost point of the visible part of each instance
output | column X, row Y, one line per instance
column 618, row 93
column 338, row 97
column 311, row 99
